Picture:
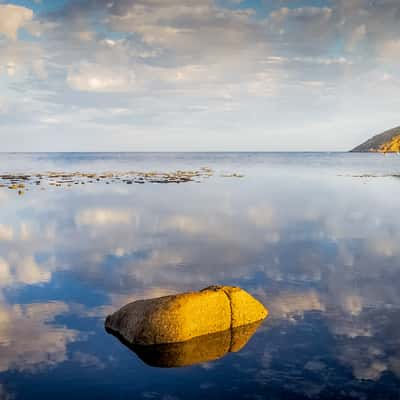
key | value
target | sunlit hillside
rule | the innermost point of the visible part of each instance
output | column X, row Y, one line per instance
column 386, row 142
column 393, row 146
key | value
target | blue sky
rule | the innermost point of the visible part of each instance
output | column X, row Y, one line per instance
column 133, row 75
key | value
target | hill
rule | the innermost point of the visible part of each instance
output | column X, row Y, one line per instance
column 386, row 142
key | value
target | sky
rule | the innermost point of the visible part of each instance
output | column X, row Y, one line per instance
column 197, row 75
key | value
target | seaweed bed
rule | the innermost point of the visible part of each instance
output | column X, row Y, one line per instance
column 24, row 182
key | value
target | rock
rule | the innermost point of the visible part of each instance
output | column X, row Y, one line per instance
column 201, row 349
column 181, row 317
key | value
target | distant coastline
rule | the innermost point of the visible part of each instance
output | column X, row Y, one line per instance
column 386, row 142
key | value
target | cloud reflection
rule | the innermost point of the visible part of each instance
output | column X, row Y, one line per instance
column 29, row 341
column 335, row 261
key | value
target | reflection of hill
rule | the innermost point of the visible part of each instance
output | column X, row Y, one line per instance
column 195, row 351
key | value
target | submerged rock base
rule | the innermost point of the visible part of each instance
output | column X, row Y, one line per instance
column 181, row 317
column 201, row 349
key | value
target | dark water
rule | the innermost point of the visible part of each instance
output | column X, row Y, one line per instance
column 318, row 247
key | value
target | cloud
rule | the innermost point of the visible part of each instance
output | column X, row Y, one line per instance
column 18, row 269
column 390, row 50
column 119, row 300
column 186, row 224
column 171, row 48
column 6, row 232
column 210, row 74
column 13, row 18
column 18, row 59
column 353, row 304
column 301, row 13
column 88, row 360
column 5, row 272
column 97, row 78
column 369, row 24
column 262, row 216
column 28, row 341
column 195, row 28
column 104, row 217
column 29, row 272
column 291, row 305
column 304, row 30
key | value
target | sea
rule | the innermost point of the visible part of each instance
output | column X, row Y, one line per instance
column 313, row 236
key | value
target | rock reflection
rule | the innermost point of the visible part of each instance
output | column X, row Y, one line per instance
column 199, row 350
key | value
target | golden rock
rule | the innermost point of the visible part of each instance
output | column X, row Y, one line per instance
column 179, row 318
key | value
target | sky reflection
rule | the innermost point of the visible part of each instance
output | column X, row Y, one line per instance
column 322, row 255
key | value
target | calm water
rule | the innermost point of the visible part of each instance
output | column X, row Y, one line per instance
column 319, row 247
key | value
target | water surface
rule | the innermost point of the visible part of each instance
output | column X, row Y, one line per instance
column 301, row 232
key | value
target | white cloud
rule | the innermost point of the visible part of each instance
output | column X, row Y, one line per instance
column 186, row 224
column 29, row 272
column 18, row 269
column 104, row 216
column 353, row 304
column 6, row 232
column 5, row 273
column 98, row 78
column 302, row 12
column 119, row 300
column 28, row 341
column 370, row 372
column 191, row 29
column 262, row 216
column 17, row 59
column 212, row 77
column 390, row 50
column 13, row 18
column 293, row 304
column 88, row 360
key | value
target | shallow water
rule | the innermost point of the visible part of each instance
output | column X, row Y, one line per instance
column 316, row 244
